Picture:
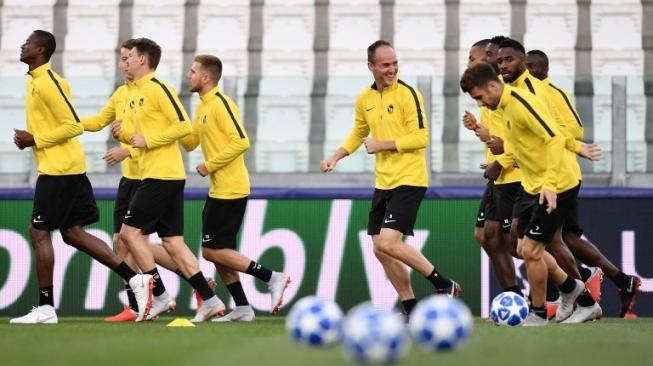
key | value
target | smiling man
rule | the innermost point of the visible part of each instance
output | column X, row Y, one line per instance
column 391, row 122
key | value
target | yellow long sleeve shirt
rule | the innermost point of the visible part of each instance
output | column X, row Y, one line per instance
column 113, row 110
column 396, row 114
column 52, row 120
column 161, row 119
column 536, row 142
column 493, row 121
column 218, row 129
column 542, row 91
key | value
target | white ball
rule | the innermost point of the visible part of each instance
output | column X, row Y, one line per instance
column 508, row 309
column 315, row 322
column 374, row 335
column 440, row 323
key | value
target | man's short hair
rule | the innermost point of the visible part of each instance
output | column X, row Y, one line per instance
column 479, row 76
column 128, row 44
column 150, row 49
column 511, row 43
column 46, row 40
column 211, row 64
column 496, row 40
column 540, row 54
column 371, row 50
column 481, row 43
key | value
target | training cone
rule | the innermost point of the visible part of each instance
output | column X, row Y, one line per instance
column 181, row 323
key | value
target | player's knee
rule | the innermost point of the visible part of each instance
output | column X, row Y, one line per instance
column 37, row 236
column 479, row 236
column 531, row 252
column 71, row 236
column 384, row 245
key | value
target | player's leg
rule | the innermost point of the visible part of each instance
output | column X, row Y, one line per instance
column 221, row 221
column 397, row 273
column 243, row 312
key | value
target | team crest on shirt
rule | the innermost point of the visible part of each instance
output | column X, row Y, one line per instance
column 131, row 104
column 390, row 108
column 508, row 124
column 140, row 102
column 204, row 120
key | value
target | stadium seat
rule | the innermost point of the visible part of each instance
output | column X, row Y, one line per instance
column 482, row 19
column 353, row 26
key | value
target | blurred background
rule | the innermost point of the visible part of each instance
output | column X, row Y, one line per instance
column 295, row 66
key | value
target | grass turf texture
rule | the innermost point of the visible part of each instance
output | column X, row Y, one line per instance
column 88, row 341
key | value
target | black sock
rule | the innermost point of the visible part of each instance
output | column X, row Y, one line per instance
column 585, row 299
column 259, row 271
column 124, row 271
column 198, row 282
column 514, row 289
column 236, row 291
column 131, row 298
column 409, row 305
column 539, row 311
column 552, row 293
column 585, row 273
column 439, row 281
column 568, row 286
column 620, row 279
column 159, row 288
column 45, row 296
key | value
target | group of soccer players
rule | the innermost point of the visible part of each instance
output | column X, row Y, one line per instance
column 529, row 210
column 145, row 115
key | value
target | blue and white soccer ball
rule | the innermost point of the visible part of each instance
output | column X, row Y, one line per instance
column 509, row 309
column 440, row 323
column 374, row 335
column 315, row 322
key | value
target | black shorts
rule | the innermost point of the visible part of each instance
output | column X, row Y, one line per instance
column 221, row 221
column 504, row 197
column 126, row 189
column 570, row 224
column 535, row 222
column 395, row 209
column 481, row 215
column 158, row 206
column 63, row 201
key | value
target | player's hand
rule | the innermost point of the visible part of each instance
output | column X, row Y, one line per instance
column 23, row 139
column 115, row 155
column 328, row 165
column 483, row 166
column 482, row 133
column 493, row 171
column 590, row 152
column 372, row 145
column 469, row 121
column 116, row 127
column 550, row 198
column 495, row 145
column 138, row 141
column 201, row 170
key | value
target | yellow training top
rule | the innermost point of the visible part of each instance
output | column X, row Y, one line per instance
column 493, row 121
column 113, row 110
column 397, row 114
column 217, row 127
column 52, row 120
column 535, row 142
column 158, row 116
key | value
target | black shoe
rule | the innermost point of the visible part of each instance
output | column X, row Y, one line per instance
column 453, row 290
column 628, row 293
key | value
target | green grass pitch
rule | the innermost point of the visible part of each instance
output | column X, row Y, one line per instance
column 89, row 342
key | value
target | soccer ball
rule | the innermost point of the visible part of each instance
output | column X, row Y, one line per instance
column 508, row 309
column 440, row 323
column 374, row 335
column 315, row 322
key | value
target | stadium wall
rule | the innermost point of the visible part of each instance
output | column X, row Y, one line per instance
column 319, row 238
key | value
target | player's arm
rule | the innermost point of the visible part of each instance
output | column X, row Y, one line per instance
column 53, row 95
column 104, row 118
column 227, row 119
column 191, row 141
column 417, row 123
column 352, row 142
column 174, row 111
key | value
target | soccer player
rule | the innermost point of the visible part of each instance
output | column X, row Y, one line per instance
column 537, row 63
column 496, row 211
column 115, row 110
column 159, row 121
column 538, row 147
column 391, row 123
column 63, row 197
column 217, row 127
